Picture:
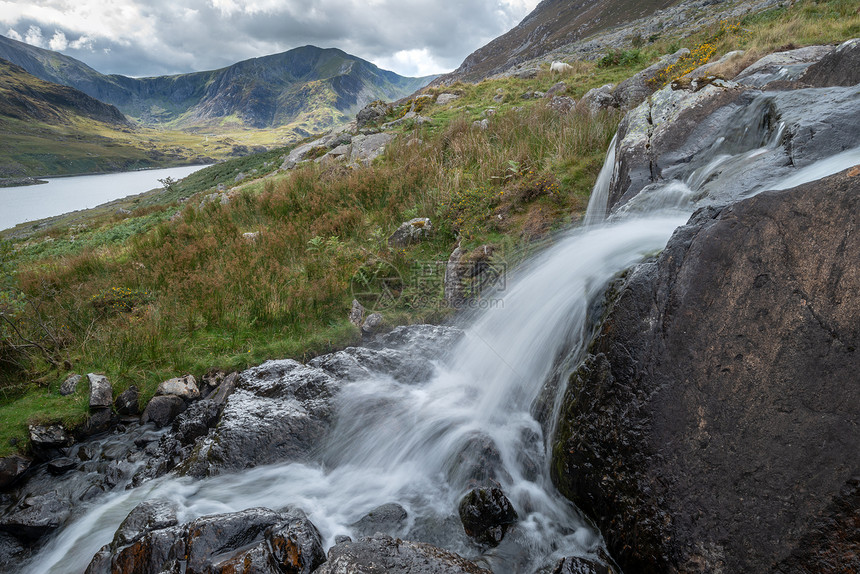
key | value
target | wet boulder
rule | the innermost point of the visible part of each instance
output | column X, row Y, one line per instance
column 12, row 468
column 224, row 389
column 254, row 540
column 161, row 410
column 196, row 421
column 281, row 411
column 49, row 441
column 580, row 565
column 11, row 549
column 128, row 402
column 738, row 347
column 487, row 514
column 61, row 465
column 386, row 519
column 380, row 554
column 36, row 516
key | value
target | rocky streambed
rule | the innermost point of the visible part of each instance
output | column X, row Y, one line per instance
column 702, row 411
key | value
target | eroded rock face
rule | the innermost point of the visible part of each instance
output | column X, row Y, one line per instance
column 383, row 554
column 255, row 540
column 723, row 384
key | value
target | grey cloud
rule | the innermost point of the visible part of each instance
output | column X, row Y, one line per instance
column 449, row 31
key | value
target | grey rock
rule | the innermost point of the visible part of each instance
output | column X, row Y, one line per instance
column 70, row 385
column 224, row 390
column 366, row 148
column 387, row 519
column 782, row 66
column 61, row 465
column 580, row 565
column 445, row 99
column 372, row 324
column 251, row 236
column 239, row 177
column 380, row 554
column 841, row 67
column 161, row 410
column 49, row 441
column 555, row 90
column 128, row 402
column 632, row 91
column 411, row 231
column 196, row 421
column 101, row 392
column 35, row 516
column 597, row 99
column 481, row 124
column 281, row 411
column 356, row 314
column 561, row 104
column 147, row 516
column 296, row 544
column 12, row 468
column 12, row 551
column 371, row 113
column 183, row 387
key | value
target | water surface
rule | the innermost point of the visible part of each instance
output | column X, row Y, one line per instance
column 64, row 194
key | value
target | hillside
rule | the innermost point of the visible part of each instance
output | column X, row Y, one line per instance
column 26, row 97
column 307, row 88
column 553, row 23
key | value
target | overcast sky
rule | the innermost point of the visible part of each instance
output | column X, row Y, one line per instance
column 157, row 37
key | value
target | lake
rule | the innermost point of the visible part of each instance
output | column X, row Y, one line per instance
column 64, row 194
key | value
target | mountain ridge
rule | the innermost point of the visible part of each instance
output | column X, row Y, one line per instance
column 252, row 93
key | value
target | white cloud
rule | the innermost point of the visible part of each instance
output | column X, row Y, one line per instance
column 84, row 43
column 14, row 35
column 417, row 62
column 34, row 37
column 153, row 37
column 58, row 42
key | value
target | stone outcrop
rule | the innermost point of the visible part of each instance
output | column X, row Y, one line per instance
column 723, row 384
column 395, row 556
column 411, row 231
column 255, row 540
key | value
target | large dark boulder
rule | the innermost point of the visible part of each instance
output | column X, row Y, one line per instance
column 713, row 426
column 12, row 468
column 386, row 519
column 386, row 555
column 35, row 516
column 162, row 409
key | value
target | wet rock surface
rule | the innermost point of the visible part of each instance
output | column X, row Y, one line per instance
column 383, row 554
column 387, row 519
column 486, row 514
column 161, row 410
column 255, row 540
column 723, row 383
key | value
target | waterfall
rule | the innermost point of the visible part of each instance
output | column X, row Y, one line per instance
column 399, row 440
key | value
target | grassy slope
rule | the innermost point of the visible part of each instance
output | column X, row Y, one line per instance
column 144, row 298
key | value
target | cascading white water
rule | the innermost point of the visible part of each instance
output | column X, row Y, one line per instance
column 397, row 441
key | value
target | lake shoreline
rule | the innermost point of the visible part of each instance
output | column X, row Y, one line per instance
column 21, row 181
column 29, row 227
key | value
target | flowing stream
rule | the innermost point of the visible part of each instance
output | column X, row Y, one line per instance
column 398, row 440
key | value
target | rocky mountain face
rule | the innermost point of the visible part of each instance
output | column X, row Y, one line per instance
column 712, row 427
column 324, row 86
column 552, row 24
column 25, row 97
column 588, row 29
